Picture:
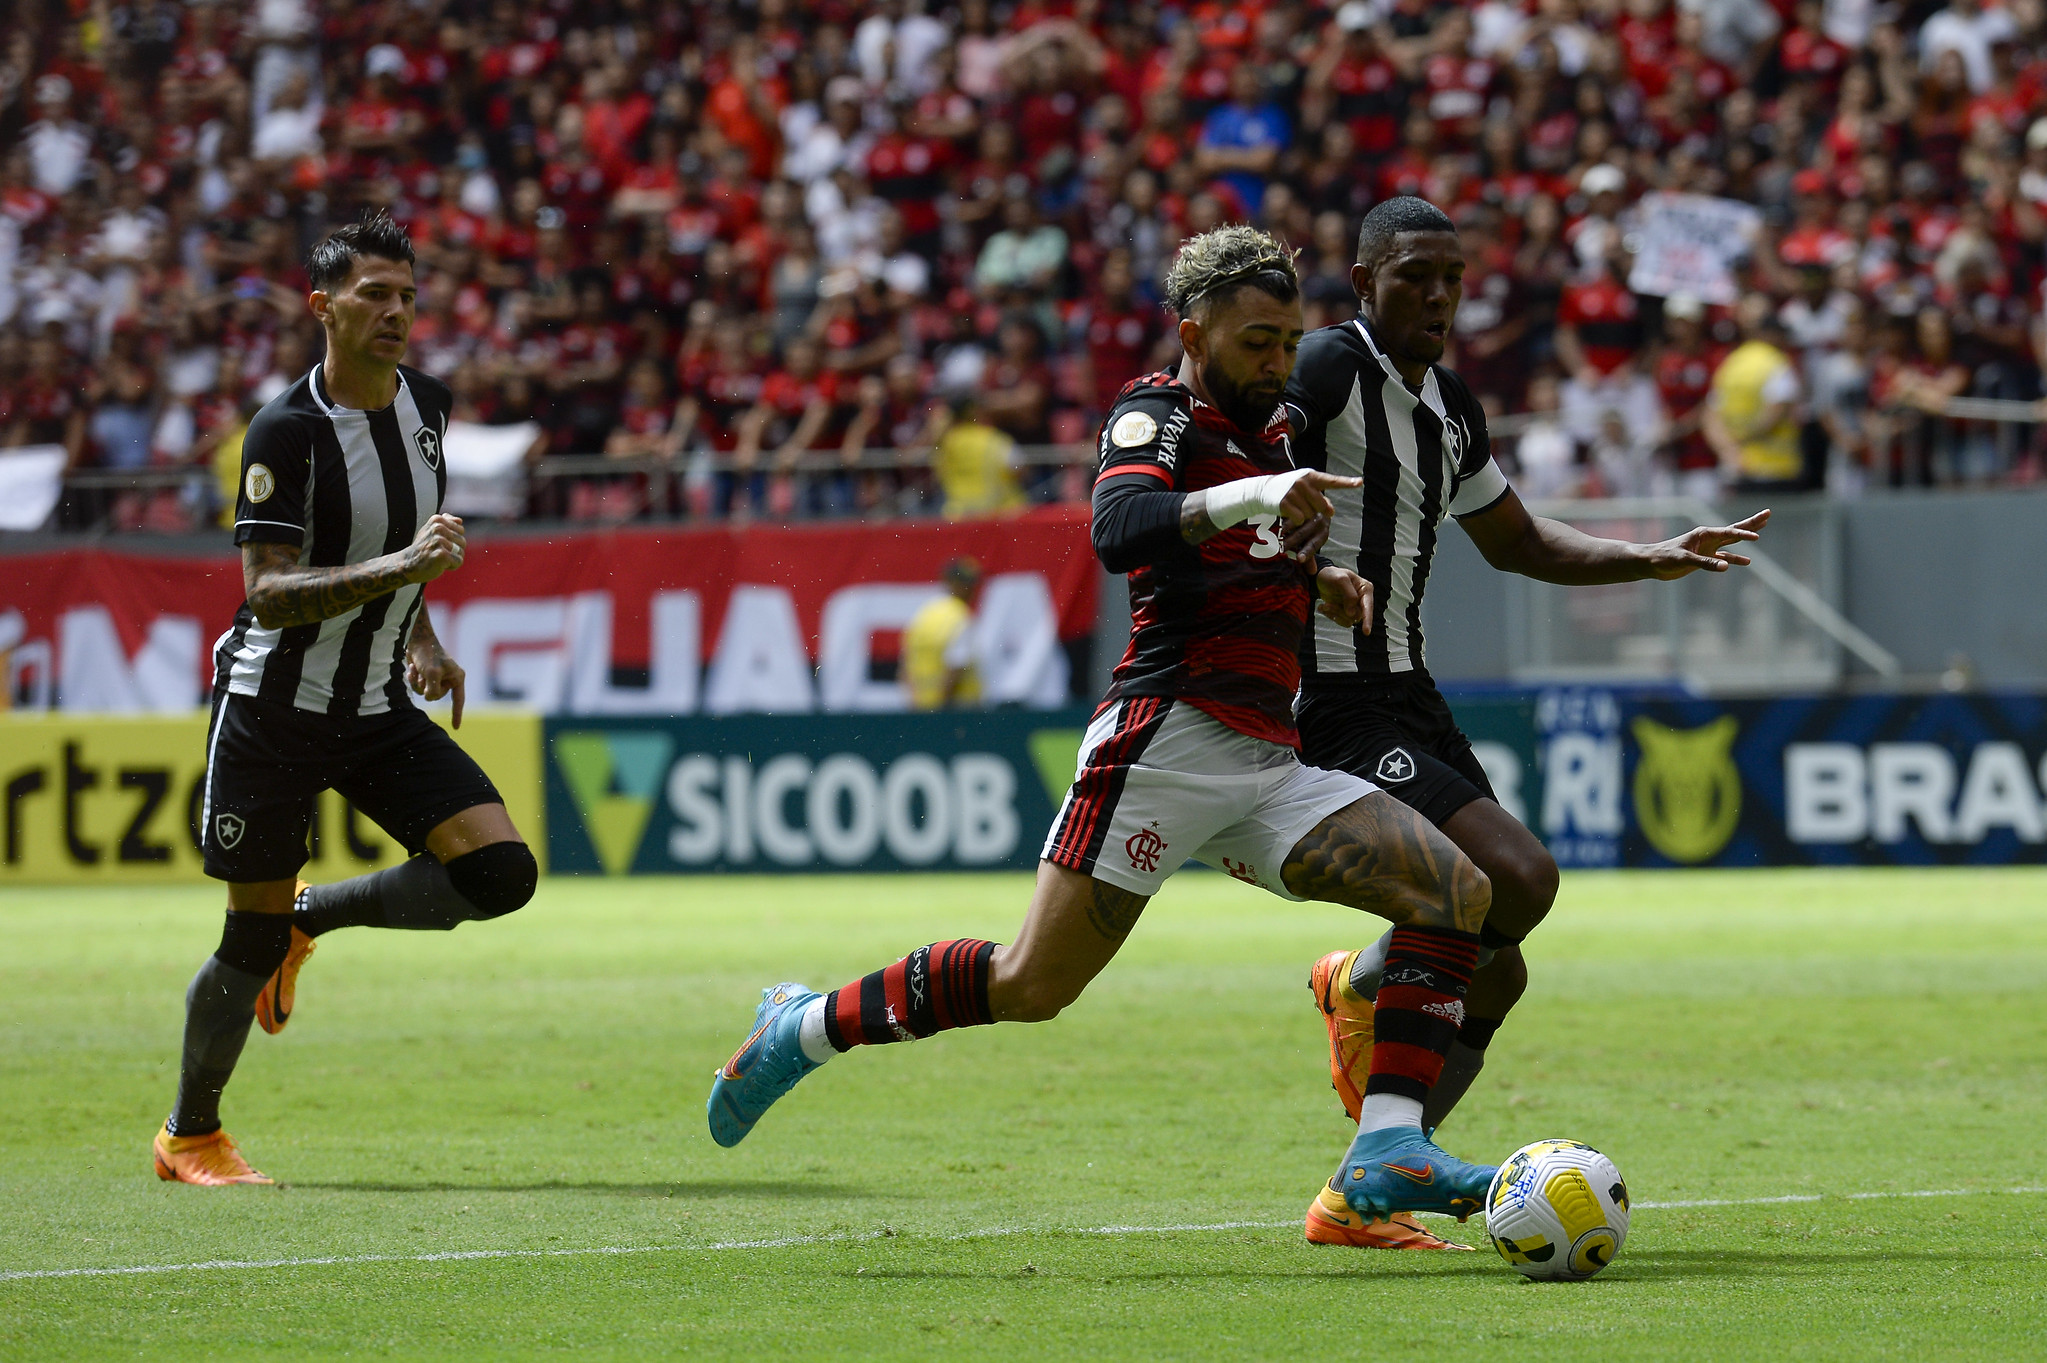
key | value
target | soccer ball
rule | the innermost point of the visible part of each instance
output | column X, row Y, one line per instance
column 1557, row 1210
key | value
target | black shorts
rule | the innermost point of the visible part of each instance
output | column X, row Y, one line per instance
column 266, row 763
column 1398, row 733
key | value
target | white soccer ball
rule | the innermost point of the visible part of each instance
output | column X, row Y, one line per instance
column 1557, row 1210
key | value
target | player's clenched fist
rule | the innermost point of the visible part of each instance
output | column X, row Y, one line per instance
column 1344, row 597
column 436, row 549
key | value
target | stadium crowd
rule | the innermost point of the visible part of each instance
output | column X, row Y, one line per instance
column 825, row 258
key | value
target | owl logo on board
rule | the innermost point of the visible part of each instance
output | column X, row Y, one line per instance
column 429, row 441
column 1687, row 788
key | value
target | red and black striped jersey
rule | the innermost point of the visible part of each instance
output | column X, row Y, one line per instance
column 1217, row 624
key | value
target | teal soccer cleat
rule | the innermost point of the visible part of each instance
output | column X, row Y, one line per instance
column 1398, row 1169
column 767, row 1066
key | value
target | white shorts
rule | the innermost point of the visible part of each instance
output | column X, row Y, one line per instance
column 1160, row 781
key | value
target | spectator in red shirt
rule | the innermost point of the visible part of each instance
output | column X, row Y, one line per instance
column 1685, row 365
column 797, row 409
column 1599, row 328
column 1807, row 54
column 1016, row 386
column 612, row 119
column 1458, row 82
column 379, row 122
column 1599, row 340
column 1122, row 330
column 1408, row 172
column 1492, row 324
column 909, row 171
column 744, row 106
column 45, row 407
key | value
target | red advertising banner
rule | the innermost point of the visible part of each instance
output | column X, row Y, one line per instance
column 624, row 621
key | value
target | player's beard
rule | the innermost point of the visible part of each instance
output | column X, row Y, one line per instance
column 1247, row 409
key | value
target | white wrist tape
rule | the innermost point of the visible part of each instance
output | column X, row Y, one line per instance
column 1234, row 503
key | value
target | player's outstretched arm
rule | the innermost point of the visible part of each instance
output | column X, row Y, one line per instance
column 282, row 594
column 1514, row 541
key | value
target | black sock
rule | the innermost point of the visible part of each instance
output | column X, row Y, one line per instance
column 412, row 894
column 424, row 895
column 219, row 1006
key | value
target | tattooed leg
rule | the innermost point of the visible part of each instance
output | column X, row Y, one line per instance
column 1380, row 856
column 1075, row 925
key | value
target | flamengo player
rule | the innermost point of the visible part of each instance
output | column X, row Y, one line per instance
column 1369, row 398
column 1193, row 750
column 340, row 527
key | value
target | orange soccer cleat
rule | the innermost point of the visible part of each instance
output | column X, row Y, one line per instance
column 1348, row 1016
column 1332, row 1222
column 212, row 1161
column 280, row 991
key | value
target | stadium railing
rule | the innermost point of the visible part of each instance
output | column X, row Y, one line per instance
column 1776, row 625
column 1969, row 440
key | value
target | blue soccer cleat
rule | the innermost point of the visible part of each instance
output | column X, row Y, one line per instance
column 1398, row 1169
column 766, row 1067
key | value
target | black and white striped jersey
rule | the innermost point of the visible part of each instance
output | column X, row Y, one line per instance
column 345, row 486
column 1424, row 454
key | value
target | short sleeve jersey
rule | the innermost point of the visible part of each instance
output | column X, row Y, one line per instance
column 1217, row 624
column 1423, row 453
column 344, row 486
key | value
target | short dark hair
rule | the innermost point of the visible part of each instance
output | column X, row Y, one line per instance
column 1390, row 217
column 373, row 234
column 1214, row 265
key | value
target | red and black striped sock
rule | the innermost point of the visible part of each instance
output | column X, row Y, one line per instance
column 933, row 989
column 1419, row 1008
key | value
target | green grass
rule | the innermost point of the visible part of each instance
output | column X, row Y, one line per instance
column 538, row 1085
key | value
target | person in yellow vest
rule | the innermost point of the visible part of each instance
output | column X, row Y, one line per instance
column 1751, row 417
column 938, row 645
column 973, row 463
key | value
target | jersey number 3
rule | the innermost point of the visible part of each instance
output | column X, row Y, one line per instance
column 1269, row 542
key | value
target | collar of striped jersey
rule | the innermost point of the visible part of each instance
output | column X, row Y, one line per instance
column 1431, row 395
column 318, row 385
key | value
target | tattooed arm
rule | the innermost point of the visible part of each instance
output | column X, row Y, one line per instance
column 281, row 593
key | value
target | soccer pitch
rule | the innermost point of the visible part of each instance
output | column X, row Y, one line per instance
column 493, row 1141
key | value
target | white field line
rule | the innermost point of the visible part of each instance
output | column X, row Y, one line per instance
column 790, row 1241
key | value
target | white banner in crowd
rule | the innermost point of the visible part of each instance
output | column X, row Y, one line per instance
column 1691, row 243
column 484, row 464
column 31, row 481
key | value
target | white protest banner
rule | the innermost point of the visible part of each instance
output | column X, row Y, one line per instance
column 1690, row 243
column 31, row 481
column 484, row 467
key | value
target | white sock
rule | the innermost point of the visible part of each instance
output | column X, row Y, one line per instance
column 817, row 1047
column 1382, row 1110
